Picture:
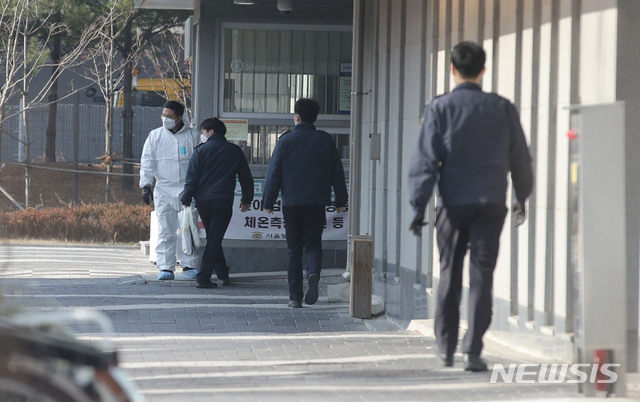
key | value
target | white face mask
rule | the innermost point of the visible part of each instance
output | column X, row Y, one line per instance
column 203, row 138
column 168, row 123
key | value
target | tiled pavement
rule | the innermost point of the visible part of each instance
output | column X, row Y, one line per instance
column 242, row 343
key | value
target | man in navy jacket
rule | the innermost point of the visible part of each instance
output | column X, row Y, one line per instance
column 468, row 143
column 305, row 165
column 211, row 180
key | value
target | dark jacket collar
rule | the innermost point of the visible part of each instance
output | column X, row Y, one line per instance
column 468, row 85
column 216, row 137
column 305, row 125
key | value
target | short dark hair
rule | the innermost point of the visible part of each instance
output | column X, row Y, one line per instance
column 468, row 58
column 307, row 109
column 175, row 106
column 214, row 124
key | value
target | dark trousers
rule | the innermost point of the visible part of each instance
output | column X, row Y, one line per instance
column 215, row 215
column 303, row 225
column 476, row 228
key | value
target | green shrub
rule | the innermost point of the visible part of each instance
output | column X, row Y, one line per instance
column 99, row 223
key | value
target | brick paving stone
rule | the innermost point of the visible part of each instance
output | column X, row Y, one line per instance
column 241, row 343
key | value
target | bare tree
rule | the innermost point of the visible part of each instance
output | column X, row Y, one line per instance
column 168, row 61
column 74, row 14
column 26, row 28
column 107, row 70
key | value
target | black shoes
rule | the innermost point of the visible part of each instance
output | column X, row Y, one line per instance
column 206, row 284
column 312, row 294
column 474, row 363
column 223, row 277
column 295, row 304
column 447, row 360
column 223, row 280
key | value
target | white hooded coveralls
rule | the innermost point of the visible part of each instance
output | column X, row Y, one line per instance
column 165, row 157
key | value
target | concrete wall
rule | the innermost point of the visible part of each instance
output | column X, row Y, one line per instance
column 269, row 255
column 627, row 89
column 544, row 55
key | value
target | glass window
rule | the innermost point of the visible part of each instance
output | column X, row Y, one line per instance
column 267, row 70
column 262, row 140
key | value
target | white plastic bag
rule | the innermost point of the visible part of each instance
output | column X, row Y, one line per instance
column 195, row 228
column 190, row 231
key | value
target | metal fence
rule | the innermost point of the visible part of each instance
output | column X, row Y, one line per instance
column 258, row 147
column 92, row 133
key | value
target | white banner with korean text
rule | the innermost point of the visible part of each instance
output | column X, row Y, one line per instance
column 256, row 224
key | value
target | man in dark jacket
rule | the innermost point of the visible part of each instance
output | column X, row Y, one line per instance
column 468, row 143
column 211, row 181
column 305, row 165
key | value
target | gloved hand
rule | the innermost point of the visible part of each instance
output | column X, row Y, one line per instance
column 147, row 195
column 417, row 223
column 519, row 213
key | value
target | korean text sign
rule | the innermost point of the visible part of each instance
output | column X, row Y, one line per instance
column 256, row 224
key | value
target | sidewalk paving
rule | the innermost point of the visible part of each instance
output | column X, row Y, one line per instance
column 242, row 342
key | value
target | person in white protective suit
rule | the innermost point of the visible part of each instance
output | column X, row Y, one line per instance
column 165, row 157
